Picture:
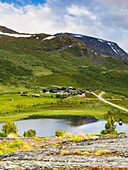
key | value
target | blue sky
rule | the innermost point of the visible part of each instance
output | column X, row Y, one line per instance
column 24, row 2
column 106, row 19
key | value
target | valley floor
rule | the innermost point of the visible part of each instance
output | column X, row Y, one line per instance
column 14, row 107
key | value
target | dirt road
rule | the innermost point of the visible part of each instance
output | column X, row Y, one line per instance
column 100, row 97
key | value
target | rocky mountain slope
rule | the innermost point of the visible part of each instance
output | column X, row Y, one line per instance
column 42, row 60
column 100, row 46
column 7, row 30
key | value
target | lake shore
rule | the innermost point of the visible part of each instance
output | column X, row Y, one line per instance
column 20, row 116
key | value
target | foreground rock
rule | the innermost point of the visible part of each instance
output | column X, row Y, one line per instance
column 56, row 157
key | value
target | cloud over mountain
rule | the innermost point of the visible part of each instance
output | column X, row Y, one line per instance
column 100, row 18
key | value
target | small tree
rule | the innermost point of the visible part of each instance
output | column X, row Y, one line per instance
column 30, row 133
column 60, row 132
column 9, row 127
column 109, row 126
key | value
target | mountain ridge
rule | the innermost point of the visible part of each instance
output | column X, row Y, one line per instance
column 8, row 30
column 101, row 46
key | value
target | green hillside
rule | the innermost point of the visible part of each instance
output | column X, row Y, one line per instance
column 60, row 61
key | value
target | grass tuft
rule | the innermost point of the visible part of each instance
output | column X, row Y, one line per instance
column 64, row 152
column 102, row 152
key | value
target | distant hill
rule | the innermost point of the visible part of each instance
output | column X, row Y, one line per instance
column 7, row 30
column 100, row 46
column 42, row 60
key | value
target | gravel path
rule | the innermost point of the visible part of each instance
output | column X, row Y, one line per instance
column 100, row 97
column 51, row 157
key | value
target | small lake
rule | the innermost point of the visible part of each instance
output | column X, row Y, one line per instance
column 46, row 126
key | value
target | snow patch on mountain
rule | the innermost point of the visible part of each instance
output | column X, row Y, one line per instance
column 15, row 35
column 101, row 40
column 77, row 35
column 49, row 38
column 114, row 50
column 112, row 46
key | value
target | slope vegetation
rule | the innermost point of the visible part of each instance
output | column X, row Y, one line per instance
column 43, row 60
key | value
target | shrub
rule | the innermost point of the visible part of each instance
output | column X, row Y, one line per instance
column 16, row 143
column 77, row 152
column 45, row 139
column 75, row 140
column 109, row 126
column 38, row 139
column 8, row 127
column 60, row 132
column 102, row 152
column 85, row 153
column 65, row 152
column 30, row 133
column 58, row 96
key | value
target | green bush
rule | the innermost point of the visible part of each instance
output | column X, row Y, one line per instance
column 8, row 127
column 60, row 132
column 30, row 133
column 75, row 140
column 15, row 143
column 38, row 139
column 109, row 126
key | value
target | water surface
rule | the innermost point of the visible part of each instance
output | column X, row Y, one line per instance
column 47, row 126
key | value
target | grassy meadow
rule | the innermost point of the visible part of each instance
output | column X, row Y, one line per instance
column 121, row 100
column 48, row 104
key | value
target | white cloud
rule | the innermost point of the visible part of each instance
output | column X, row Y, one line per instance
column 26, row 19
column 114, row 13
column 105, row 19
column 77, row 11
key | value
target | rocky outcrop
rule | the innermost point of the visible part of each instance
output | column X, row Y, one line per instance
column 101, row 46
column 52, row 157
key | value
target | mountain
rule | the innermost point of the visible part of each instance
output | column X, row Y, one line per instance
column 100, row 46
column 41, row 60
column 7, row 30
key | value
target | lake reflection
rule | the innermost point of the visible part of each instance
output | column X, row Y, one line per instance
column 73, row 124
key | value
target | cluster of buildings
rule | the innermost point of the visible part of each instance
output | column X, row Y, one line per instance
column 65, row 90
column 71, row 90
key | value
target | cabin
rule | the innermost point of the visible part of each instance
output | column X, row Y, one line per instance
column 25, row 92
column 37, row 95
column 20, row 92
column 11, row 99
column 68, row 89
column 46, row 90
column 74, row 94
column 25, row 95
column 80, row 91
column 112, row 98
column 55, row 90
column 89, row 89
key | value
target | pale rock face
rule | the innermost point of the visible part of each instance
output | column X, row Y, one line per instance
column 11, row 136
